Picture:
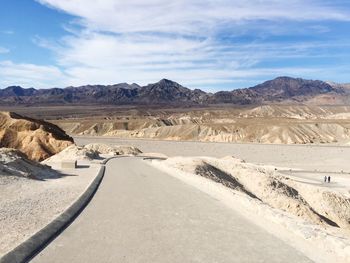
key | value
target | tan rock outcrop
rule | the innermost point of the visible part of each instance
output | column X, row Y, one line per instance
column 37, row 139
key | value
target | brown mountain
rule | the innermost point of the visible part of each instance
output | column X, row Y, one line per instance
column 36, row 138
column 281, row 89
column 167, row 92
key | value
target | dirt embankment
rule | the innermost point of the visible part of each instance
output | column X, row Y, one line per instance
column 37, row 139
column 312, row 203
column 91, row 151
column 13, row 163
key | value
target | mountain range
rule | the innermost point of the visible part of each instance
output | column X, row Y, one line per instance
column 167, row 92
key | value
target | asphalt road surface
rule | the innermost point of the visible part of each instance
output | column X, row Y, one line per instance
column 140, row 214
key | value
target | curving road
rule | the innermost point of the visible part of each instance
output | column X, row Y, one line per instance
column 140, row 214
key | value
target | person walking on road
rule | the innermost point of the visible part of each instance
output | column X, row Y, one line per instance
column 329, row 178
column 325, row 179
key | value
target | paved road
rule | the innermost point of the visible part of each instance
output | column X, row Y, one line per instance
column 140, row 214
column 324, row 157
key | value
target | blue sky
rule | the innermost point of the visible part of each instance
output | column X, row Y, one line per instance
column 208, row 44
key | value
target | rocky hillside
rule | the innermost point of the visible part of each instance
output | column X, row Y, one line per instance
column 167, row 92
column 282, row 89
column 290, row 124
column 35, row 138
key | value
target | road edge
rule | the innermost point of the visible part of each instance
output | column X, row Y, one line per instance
column 25, row 251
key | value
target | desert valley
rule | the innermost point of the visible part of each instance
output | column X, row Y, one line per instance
column 262, row 152
column 159, row 131
column 284, row 110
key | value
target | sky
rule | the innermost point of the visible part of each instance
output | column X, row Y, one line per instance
column 208, row 44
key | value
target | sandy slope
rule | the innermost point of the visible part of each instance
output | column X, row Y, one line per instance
column 271, row 187
column 90, row 151
column 15, row 163
column 301, row 210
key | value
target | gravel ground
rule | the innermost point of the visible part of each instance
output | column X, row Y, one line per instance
column 27, row 205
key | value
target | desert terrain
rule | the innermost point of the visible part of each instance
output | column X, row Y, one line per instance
column 282, row 184
column 278, row 124
column 174, row 131
column 267, row 160
column 35, row 138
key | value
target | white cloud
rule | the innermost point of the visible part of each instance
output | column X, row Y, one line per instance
column 98, row 58
column 29, row 75
column 4, row 50
column 144, row 41
column 7, row 32
column 183, row 16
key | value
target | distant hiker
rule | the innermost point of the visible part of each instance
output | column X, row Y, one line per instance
column 325, row 179
column 329, row 179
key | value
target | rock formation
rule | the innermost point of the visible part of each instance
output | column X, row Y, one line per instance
column 37, row 139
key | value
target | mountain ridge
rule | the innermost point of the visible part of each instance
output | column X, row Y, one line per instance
column 280, row 89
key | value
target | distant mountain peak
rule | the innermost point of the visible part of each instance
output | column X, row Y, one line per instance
column 289, row 87
column 17, row 91
column 166, row 81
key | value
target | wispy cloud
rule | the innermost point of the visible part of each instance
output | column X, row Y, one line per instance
column 199, row 43
column 4, row 50
column 7, row 32
column 103, row 58
column 26, row 75
column 195, row 16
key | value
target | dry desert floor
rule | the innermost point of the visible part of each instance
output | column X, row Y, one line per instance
column 322, row 158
